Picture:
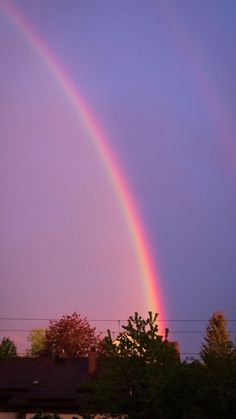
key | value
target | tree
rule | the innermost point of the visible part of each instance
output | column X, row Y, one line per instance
column 71, row 336
column 135, row 369
column 143, row 377
column 7, row 349
column 219, row 357
column 217, row 343
column 37, row 340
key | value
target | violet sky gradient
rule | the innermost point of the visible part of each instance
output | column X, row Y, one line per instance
column 160, row 77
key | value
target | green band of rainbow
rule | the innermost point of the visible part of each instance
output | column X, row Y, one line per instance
column 126, row 203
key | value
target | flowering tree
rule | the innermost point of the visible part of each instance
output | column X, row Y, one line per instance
column 71, row 336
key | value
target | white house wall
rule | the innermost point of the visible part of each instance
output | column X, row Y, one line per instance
column 62, row 415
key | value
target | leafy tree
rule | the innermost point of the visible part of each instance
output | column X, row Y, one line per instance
column 71, row 336
column 37, row 340
column 7, row 349
column 220, row 388
column 135, row 370
column 143, row 377
column 184, row 393
column 217, row 343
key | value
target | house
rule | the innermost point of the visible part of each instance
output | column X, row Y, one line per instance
column 59, row 385
column 51, row 385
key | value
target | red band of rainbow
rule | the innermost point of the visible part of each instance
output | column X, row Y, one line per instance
column 120, row 187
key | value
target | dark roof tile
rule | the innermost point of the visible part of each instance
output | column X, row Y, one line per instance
column 44, row 382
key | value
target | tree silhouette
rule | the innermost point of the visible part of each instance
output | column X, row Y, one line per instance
column 71, row 336
column 136, row 368
column 37, row 340
column 217, row 343
column 7, row 349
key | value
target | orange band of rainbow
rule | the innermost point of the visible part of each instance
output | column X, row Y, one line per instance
column 126, row 203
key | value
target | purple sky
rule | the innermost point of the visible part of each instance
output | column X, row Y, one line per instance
column 160, row 77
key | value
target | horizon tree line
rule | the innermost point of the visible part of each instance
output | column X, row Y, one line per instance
column 142, row 375
column 73, row 336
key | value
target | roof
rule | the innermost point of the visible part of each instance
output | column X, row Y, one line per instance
column 44, row 383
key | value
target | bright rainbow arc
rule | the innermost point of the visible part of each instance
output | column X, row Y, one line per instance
column 126, row 203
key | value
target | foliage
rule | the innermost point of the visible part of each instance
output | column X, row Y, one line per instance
column 7, row 349
column 37, row 340
column 141, row 341
column 220, row 388
column 143, row 377
column 182, row 395
column 219, row 356
column 135, row 370
column 217, row 343
column 42, row 415
column 71, row 336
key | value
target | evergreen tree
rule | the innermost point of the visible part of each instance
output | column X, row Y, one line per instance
column 136, row 369
column 217, row 343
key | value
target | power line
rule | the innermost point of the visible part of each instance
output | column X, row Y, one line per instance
column 181, row 353
column 52, row 319
column 104, row 320
column 118, row 331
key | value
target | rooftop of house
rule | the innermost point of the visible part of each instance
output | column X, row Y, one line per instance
column 44, row 383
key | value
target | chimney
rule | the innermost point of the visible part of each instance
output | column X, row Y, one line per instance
column 92, row 362
column 175, row 346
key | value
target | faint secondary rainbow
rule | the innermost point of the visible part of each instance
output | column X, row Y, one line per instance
column 142, row 250
column 187, row 46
